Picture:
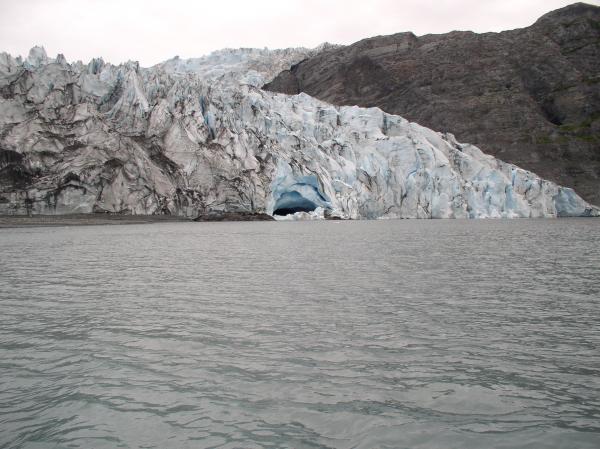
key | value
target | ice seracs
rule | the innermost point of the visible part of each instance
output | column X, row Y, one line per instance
column 190, row 136
column 252, row 66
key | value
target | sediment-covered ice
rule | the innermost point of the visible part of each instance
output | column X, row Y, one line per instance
column 190, row 136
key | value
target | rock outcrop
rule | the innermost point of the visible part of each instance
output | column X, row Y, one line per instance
column 528, row 96
column 200, row 138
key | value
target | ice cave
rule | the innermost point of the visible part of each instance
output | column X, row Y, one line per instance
column 292, row 202
column 292, row 194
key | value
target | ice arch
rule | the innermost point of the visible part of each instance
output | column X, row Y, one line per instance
column 291, row 194
column 292, row 202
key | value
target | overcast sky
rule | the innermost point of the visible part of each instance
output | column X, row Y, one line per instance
column 151, row 31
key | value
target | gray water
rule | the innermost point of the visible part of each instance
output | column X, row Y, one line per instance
column 373, row 334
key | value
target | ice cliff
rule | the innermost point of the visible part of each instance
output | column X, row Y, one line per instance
column 190, row 136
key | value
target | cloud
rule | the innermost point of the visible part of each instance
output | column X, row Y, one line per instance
column 153, row 30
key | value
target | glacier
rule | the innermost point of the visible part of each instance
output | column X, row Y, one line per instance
column 190, row 136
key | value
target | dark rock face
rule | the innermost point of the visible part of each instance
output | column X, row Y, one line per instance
column 12, row 170
column 529, row 96
column 234, row 216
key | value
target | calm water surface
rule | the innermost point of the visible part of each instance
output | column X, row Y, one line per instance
column 374, row 334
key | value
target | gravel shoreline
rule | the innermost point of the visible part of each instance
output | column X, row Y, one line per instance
column 24, row 221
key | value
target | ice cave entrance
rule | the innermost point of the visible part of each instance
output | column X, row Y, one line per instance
column 292, row 202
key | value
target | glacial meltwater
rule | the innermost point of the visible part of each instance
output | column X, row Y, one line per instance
column 364, row 334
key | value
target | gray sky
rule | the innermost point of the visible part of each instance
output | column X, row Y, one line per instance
column 151, row 31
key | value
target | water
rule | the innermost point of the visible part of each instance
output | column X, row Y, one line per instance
column 397, row 334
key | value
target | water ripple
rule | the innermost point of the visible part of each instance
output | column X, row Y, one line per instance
column 389, row 334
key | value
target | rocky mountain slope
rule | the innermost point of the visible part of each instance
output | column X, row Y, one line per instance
column 191, row 137
column 529, row 96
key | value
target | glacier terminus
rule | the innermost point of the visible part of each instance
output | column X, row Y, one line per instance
column 191, row 136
